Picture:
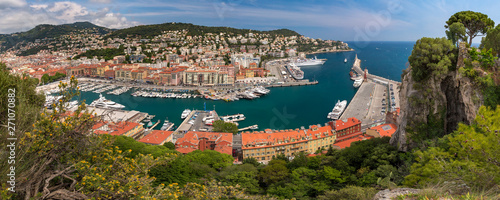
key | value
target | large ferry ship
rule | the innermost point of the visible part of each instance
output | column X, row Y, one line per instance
column 337, row 110
column 295, row 71
column 308, row 62
column 102, row 102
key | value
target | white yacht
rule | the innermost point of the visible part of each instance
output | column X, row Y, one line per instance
column 185, row 113
column 261, row 90
column 308, row 62
column 167, row 125
column 102, row 102
column 337, row 110
column 345, row 60
column 357, row 83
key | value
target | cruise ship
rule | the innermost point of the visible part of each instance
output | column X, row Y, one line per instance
column 337, row 110
column 295, row 71
column 185, row 113
column 308, row 62
column 102, row 102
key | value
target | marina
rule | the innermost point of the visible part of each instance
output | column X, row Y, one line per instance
column 284, row 107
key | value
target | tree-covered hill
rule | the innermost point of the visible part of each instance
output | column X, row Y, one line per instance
column 49, row 31
column 146, row 31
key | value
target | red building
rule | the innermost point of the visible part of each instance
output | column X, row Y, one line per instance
column 221, row 142
column 347, row 129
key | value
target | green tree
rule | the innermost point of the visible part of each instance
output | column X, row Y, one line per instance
column 470, row 157
column 456, row 33
column 45, row 78
column 225, row 127
column 431, row 56
column 492, row 40
column 274, row 172
column 252, row 161
column 169, row 145
column 474, row 23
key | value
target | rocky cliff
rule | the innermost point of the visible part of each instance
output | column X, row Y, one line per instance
column 435, row 107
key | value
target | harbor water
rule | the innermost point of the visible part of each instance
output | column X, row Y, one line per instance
column 286, row 107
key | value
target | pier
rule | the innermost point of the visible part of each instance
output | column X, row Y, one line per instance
column 154, row 125
column 233, row 118
column 249, row 127
column 374, row 98
column 298, row 83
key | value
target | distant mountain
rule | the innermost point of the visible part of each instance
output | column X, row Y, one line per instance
column 49, row 31
column 146, row 31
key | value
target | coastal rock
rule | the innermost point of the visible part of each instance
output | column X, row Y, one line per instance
column 393, row 194
column 449, row 97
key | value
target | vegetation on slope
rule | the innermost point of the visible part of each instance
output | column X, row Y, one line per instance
column 149, row 31
column 49, row 31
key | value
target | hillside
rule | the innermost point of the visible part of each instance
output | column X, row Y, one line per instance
column 46, row 31
column 146, row 31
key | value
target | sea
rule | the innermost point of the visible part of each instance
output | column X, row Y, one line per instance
column 286, row 107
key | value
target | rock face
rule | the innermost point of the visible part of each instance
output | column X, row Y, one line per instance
column 450, row 97
column 393, row 194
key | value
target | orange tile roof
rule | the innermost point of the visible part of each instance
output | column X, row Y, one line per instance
column 99, row 132
column 223, row 141
column 121, row 128
column 283, row 137
column 385, row 129
column 341, row 125
column 347, row 143
column 156, row 137
column 98, row 125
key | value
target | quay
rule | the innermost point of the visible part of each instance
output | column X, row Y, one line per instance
column 298, row 83
column 154, row 125
column 374, row 98
column 249, row 127
column 198, row 124
column 115, row 115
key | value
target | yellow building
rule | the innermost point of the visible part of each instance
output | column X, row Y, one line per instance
column 264, row 146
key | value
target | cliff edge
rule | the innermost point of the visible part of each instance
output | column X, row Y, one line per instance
column 434, row 107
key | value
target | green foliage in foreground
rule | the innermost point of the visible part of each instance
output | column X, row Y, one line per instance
column 470, row 156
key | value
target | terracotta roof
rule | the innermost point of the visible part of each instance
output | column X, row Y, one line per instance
column 347, row 143
column 98, row 125
column 156, row 137
column 223, row 141
column 283, row 137
column 99, row 132
column 121, row 128
column 385, row 129
column 340, row 125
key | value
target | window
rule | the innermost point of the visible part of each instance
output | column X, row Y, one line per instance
column 252, row 154
column 263, row 158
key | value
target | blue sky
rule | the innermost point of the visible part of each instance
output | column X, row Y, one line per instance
column 377, row 20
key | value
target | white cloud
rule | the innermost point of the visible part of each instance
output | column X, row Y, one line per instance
column 12, row 4
column 113, row 20
column 39, row 6
column 101, row 1
column 24, row 16
column 67, row 11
